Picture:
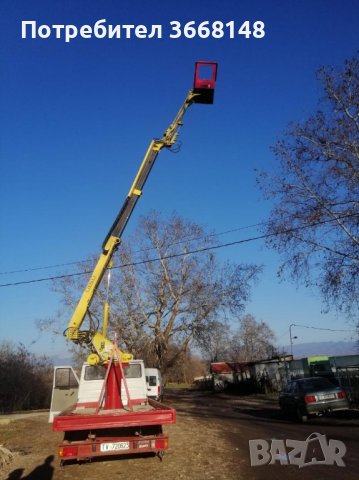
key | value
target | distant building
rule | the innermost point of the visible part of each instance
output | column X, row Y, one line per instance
column 229, row 374
column 264, row 375
column 273, row 375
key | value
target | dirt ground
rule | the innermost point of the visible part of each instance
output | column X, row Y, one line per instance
column 209, row 441
column 198, row 449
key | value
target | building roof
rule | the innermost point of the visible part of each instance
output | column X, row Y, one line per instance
column 229, row 367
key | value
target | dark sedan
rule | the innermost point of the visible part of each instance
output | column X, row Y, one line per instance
column 312, row 396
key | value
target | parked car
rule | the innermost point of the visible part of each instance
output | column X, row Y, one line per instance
column 154, row 384
column 312, row 396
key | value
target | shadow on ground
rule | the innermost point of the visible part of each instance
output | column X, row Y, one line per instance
column 44, row 471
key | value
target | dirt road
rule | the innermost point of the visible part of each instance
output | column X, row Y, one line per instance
column 209, row 441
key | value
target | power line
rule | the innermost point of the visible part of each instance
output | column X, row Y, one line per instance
column 185, row 239
column 320, row 328
column 282, row 334
column 134, row 264
column 176, row 255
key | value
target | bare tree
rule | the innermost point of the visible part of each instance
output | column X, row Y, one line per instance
column 252, row 341
column 168, row 301
column 170, row 285
column 214, row 340
column 25, row 379
column 186, row 367
column 314, row 224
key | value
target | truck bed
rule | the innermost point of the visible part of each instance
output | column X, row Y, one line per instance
column 84, row 417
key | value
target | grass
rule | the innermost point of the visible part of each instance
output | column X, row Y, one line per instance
column 176, row 386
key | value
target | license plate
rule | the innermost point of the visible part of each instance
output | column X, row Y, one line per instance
column 112, row 447
column 326, row 396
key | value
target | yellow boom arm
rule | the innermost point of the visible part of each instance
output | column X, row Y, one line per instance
column 100, row 346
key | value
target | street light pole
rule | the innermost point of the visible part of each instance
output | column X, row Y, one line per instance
column 291, row 338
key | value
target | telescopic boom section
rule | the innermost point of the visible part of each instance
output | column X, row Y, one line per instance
column 99, row 344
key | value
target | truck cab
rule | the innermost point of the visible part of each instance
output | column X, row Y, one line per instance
column 68, row 389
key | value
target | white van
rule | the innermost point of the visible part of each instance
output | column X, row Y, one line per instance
column 154, row 384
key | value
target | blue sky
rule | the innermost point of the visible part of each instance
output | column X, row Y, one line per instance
column 77, row 117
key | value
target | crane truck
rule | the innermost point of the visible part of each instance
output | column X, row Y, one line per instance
column 107, row 411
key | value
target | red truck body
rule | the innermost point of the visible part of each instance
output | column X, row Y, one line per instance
column 112, row 432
